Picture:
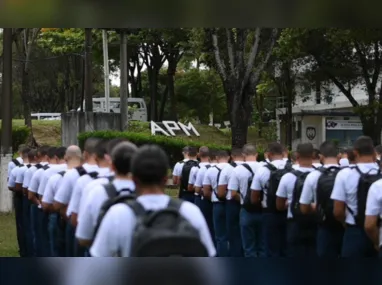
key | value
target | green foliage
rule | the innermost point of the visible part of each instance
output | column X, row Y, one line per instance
column 19, row 137
column 172, row 146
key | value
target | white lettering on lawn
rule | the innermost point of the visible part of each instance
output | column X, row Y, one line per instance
column 172, row 126
column 155, row 128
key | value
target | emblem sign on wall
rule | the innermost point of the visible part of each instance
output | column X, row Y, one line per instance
column 311, row 133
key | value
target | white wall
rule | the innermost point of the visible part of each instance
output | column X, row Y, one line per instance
column 6, row 204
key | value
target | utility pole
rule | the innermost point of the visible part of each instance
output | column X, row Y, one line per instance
column 88, row 71
column 106, row 70
column 124, row 91
column 6, row 123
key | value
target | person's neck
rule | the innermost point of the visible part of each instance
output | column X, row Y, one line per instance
column 150, row 190
column 277, row 157
column 103, row 164
column 73, row 164
column 122, row 177
column 330, row 160
column 205, row 160
column 238, row 159
column 193, row 158
column 250, row 158
column 223, row 161
column 26, row 161
column 366, row 159
column 305, row 163
column 91, row 161
column 316, row 161
column 62, row 161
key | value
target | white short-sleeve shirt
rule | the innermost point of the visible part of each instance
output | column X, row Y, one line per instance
column 194, row 172
column 345, row 187
column 211, row 178
column 53, row 169
column 200, row 175
column 29, row 174
column 374, row 203
column 240, row 177
column 225, row 176
column 20, row 174
column 309, row 191
column 88, row 188
column 88, row 216
column 261, row 180
column 80, row 185
column 65, row 190
column 12, row 177
column 117, row 228
column 286, row 187
column 12, row 165
column 51, row 188
column 36, row 180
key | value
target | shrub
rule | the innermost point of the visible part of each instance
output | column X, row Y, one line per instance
column 172, row 146
column 19, row 137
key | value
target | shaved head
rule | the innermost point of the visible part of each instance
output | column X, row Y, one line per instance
column 73, row 151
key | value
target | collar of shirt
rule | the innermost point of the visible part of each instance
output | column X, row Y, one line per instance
column 44, row 163
column 222, row 165
column 186, row 159
column 239, row 162
column 123, row 184
column 304, row 169
column 330, row 165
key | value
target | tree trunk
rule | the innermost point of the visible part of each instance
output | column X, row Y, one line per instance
column 124, row 89
column 163, row 104
column 171, row 89
column 153, row 94
column 25, row 96
column 88, row 71
column 289, row 119
column 239, row 128
column 371, row 129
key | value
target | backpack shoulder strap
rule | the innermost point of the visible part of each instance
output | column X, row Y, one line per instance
column 174, row 204
column 248, row 168
column 45, row 167
column 137, row 208
column 81, row 170
column 270, row 166
column 111, row 191
column 16, row 162
column 62, row 172
column 93, row 174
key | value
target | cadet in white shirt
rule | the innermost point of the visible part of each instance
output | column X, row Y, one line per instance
column 232, row 204
column 346, row 205
column 88, row 216
column 56, row 225
column 177, row 171
column 301, row 234
column 15, row 162
column 373, row 215
column 210, row 187
column 316, row 159
column 315, row 200
column 64, row 192
column 264, row 191
column 206, row 204
column 204, row 160
column 16, row 175
column 186, row 193
column 149, row 170
column 351, row 157
column 249, row 217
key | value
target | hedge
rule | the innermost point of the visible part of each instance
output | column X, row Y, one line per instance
column 172, row 146
column 19, row 137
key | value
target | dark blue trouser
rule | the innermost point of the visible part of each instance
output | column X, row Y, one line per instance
column 61, row 236
column 275, row 233
column 233, row 228
column 301, row 242
column 356, row 243
column 329, row 241
column 187, row 196
column 252, row 234
column 79, row 251
column 43, row 245
column 220, row 227
column 380, row 252
column 34, row 229
column 27, row 228
column 206, row 208
column 69, row 240
column 18, row 206
column 198, row 201
column 53, row 234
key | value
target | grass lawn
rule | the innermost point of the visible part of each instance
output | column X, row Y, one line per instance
column 8, row 238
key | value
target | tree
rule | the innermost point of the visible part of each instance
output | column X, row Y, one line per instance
column 240, row 57
column 346, row 58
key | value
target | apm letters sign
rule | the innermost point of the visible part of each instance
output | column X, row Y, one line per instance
column 171, row 126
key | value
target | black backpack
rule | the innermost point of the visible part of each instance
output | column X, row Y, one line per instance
column 247, row 204
column 295, row 205
column 364, row 183
column 114, row 198
column 188, row 165
column 273, row 184
column 324, row 204
column 217, row 185
column 164, row 233
column 16, row 162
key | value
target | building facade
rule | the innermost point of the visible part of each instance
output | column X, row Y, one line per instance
column 319, row 116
